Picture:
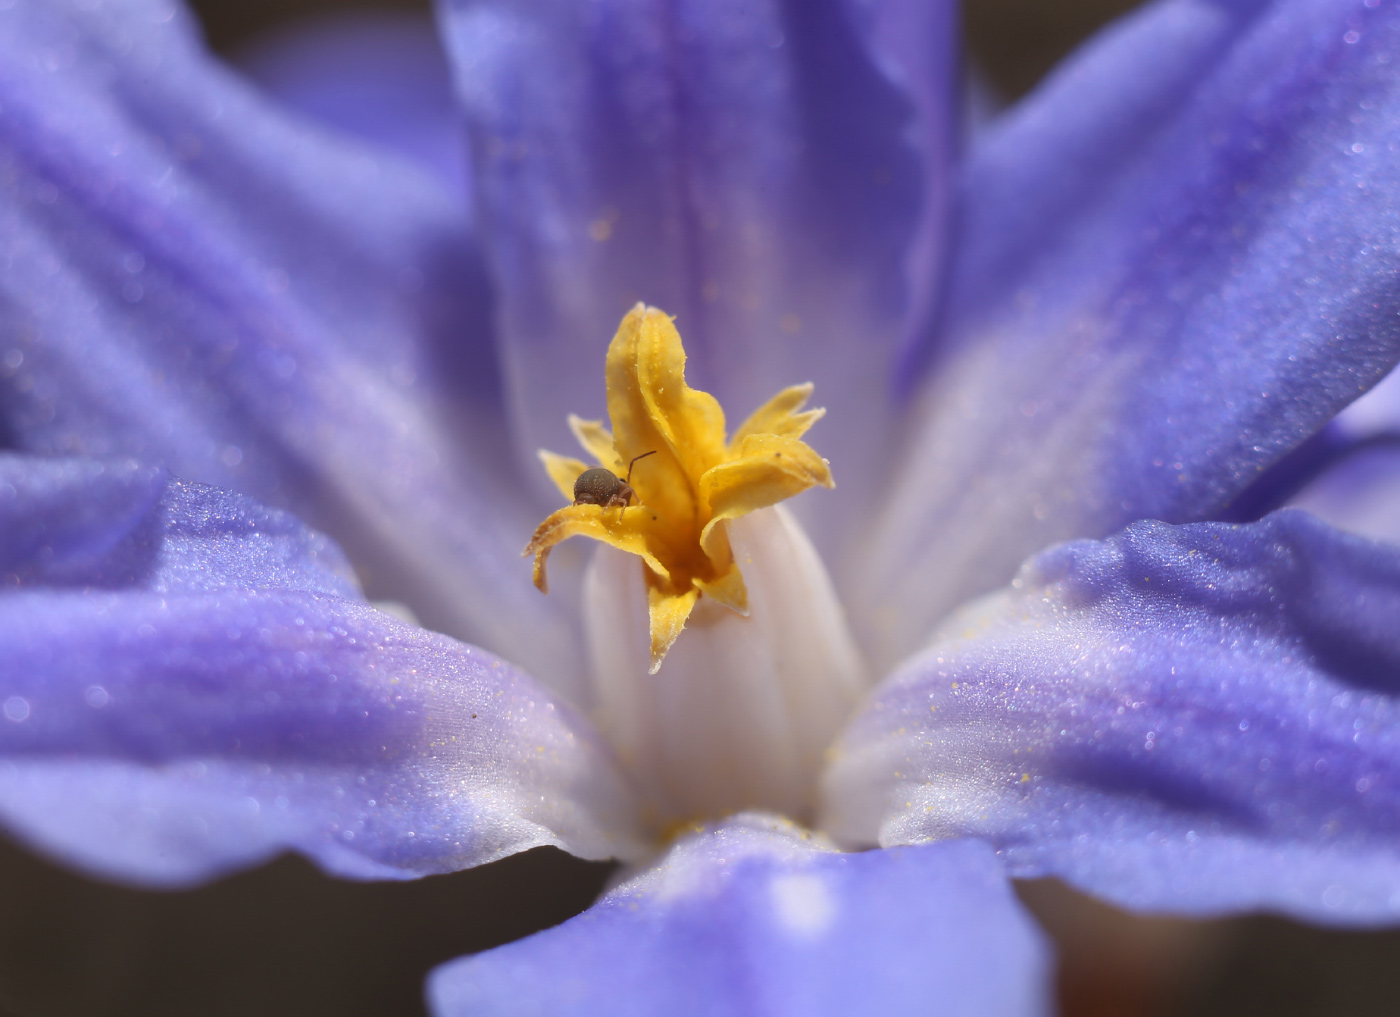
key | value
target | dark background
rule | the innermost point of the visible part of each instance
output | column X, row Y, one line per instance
column 286, row 940
column 1013, row 42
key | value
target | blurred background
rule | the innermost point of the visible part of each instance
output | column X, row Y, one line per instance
column 286, row 940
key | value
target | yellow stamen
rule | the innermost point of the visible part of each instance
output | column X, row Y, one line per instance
column 693, row 483
column 563, row 470
column 597, row 441
column 780, row 415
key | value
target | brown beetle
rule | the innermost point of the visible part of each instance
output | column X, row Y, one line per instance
column 601, row 486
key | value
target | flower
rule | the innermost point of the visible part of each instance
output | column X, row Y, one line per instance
column 1174, row 264
column 688, row 495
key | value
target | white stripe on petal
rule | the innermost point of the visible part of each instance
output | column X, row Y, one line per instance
column 742, row 709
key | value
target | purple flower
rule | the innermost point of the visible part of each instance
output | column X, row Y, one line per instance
column 1125, row 319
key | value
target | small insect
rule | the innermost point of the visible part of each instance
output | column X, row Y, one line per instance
column 600, row 486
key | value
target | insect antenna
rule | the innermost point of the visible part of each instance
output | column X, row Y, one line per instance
column 634, row 463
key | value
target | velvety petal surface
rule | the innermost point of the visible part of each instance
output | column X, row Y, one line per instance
column 1195, row 719
column 197, row 279
column 751, row 168
column 190, row 682
column 1176, row 261
column 756, row 917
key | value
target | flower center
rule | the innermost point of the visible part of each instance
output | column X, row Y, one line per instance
column 751, row 697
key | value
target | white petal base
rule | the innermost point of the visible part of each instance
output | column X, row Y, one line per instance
column 742, row 710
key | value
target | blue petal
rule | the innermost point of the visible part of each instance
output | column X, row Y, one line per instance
column 67, row 523
column 193, row 279
column 752, row 917
column 1377, row 412
column 1360, row 493
column 1359, row 488
column 747, row 167
column 191, row 683
column 1178, row 261
column 1193, row 719
column 378, row 75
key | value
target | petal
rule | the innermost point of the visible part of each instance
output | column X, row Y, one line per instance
column 1355, row 485
column 379, row 75
column 195, row 280
column 756, row 917
column 780, row 415
column 563, row 470
column 619, row 528
column 1361, row 493
column 667, row 611
column 597, row 441
column 80, row 523
column 1179, row 261
column 747, row 167
column 213, row 691
column 917, row 44
column 727, row 587
column 1193, row 719
column 742, row 711
column 1377, row 412
column 691, row 421
column 684, row 427
column 69, row 522
column 770, row 468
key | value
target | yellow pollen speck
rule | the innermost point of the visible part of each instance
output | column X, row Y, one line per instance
column 601, row 228
column 687, row 479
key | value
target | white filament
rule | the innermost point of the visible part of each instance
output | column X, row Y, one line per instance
column 742, row 710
